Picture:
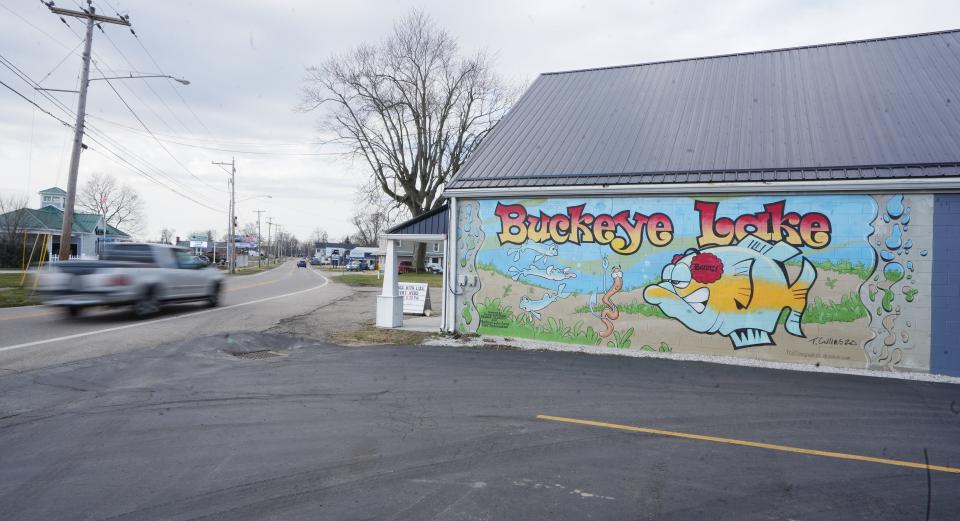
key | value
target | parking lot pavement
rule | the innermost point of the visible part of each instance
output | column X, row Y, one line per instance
column 303, row 430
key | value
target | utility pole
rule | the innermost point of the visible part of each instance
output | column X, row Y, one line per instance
column 231, row 243
column 259, row 238
column 279, row 241
column 269, row 227
column 92, row 18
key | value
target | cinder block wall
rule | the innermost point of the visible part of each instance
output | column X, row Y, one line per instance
column 945, row 286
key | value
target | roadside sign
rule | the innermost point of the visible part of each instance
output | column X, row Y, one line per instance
column 198, row 244
column 416, row 298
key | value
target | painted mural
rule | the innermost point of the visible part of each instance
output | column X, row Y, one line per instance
column 834, row 279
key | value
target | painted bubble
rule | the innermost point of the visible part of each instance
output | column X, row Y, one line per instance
column 895, row 206
column 910, row 265
column 923, row 253
column 906, row 218
column 886, row 255
column 894, row 240
column 908, row 244
column 886, row 218
column 893, row 272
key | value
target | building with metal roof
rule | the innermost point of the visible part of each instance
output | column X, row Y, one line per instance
column 41, row 226
column 887, row 108
column 793, row 205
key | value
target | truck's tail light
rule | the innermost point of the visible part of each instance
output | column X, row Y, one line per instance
column 118, row 280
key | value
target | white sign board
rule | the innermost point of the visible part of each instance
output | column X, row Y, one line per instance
column 416, row 298
column 198, row 244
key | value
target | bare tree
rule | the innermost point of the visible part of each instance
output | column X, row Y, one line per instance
column 120, row 204
column 319, row 235
column 412, row 107
column 249, row 229
column 166, row 236
column 374, row 215
column 13, row 224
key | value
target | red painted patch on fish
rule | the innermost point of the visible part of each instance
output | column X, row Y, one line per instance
column 706, row 268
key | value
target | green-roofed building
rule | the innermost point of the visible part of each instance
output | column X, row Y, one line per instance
column 42, row 227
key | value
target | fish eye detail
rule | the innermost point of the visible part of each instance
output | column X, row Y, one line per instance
column 680, row 277
column 667, row 273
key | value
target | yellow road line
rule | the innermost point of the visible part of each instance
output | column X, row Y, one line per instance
column 278, row 279
column 745, row 443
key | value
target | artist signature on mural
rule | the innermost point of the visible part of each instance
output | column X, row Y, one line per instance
column 833, row 341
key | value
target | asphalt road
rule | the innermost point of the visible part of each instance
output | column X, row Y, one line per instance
column 38, row 336
column 189, row 431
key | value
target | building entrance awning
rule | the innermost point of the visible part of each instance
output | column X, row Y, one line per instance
column 429, row 226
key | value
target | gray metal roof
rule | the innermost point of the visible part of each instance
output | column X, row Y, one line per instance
column 855, row 110
column 433, row 222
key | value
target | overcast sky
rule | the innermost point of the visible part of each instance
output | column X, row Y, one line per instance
column 245, row 61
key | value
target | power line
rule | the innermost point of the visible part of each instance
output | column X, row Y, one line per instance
column 96, row 64
column 61, row 62
column 147, row 83
column 92, row 137
column 145, row 127
column 41, row 31
column 225, row 142
column 66, row 110
column 30, row 101
column 159, row 68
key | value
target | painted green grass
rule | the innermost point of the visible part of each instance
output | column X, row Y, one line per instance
column 508, row 323
column 848, row 309
column 844, row 266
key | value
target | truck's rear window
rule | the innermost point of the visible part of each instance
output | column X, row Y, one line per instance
column 128, row 253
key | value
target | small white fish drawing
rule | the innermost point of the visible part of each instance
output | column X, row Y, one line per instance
column 541, row 251
column 533, row 307
column 551, row 272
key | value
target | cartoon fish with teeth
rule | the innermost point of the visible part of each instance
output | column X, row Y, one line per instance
column 533, row 307
column 541, row 251
column 736, row 291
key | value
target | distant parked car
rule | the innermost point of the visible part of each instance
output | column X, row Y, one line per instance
column 405, row 266
column 434, row 267
column 301, row 263
column 355, row 266
column 314, row 261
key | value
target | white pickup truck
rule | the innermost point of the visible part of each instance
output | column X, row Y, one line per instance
column 140, row 275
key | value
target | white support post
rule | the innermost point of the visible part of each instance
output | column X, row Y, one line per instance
column 450, row 271
column 389, row 302
column 443, row 290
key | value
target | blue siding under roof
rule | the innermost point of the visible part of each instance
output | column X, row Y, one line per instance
column 856, row 110
column 433, row 222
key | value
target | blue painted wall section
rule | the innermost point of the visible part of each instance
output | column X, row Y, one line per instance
column 945, row 289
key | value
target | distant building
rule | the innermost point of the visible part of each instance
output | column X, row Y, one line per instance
column 42, row 226
column 434, row 253
column 333, row 253
column 56, row 197
column 365, row 254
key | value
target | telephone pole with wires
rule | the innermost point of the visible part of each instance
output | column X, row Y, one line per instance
column 259, row 238
column 231, row 224
column 92, row 18
column 269, row 229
